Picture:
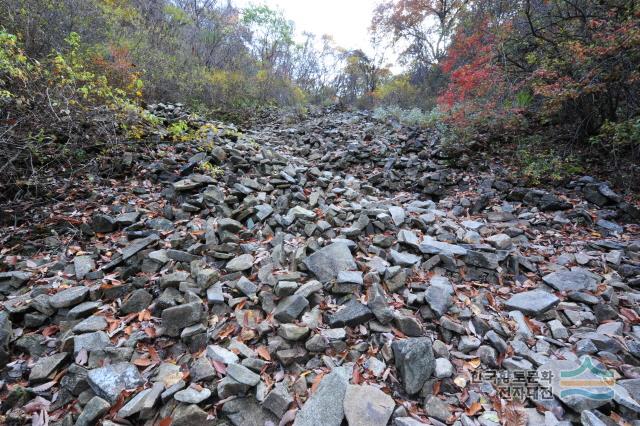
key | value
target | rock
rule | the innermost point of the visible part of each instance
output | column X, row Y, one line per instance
column 414, row 361
column 436, row 408
column 482, row 259
column 68, row 297
column 351, row 314
column 83, row 265
column 103, row 223
column 290, row 308
column 229, row 225
column 220, row 354
column 377, row 302
column 45, row 367
column 367, row 405
column 191, row 395
column 91, row 341
column 397, row 215
column 107, row 382
column 278, row 400
column 243, row 375
column 443, row 368
column 240, row 263
column 138, row 300
column 569, row 281
column 188, row 415
column 438, row 295
column 432, row 246
column 247, row 412
column 292, row 332
column 329, row 261
column 94, row 410
column 534, row 302
column 500, row 241
column 404, row 259
column 326, row 406
column 175, row 319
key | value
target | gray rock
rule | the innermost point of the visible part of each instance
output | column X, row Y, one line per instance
column 570, row 281
column 93, row 323
column 329, row 261
column 367, row 405
column 443, row 368
column 482, row 259
column 414, row 361
column 45, row 367
column 103, row 223
column 404, row 259
column 175, row 319
column 91, row 341
column 247, row 412
column 397, row 215
column 243, row 375
column 192, row 396
column 139, row 300
column 93, row 411
column 438, row 295
column 220, row 354
column 326, row 406
column 292, row 332
column 534, row 302
column 240, row 263
column 83, row 265
column 436, row 408
column 429, row 245
column 377, row 302
column 278, row 400
column 107, row 382
column 351, row 314
column 188, row 415
column 69, row 297
column 290, row 308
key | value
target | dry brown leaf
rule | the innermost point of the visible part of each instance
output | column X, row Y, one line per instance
column 264, row 353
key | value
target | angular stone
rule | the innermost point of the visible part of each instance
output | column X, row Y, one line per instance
column 175, row 319
column 240, row 263
column 278, row 400
column 351, row 314
column 107, row 382
column 69, row 297
column 92, row 411
column 192, row 396
column 290, row 308
column 438, row 295
column 414, row 362
column 46, row 366
column 329, row 261
column 243, row 375
column 569, row 281
column 326, row 406
column 83, row 265
column 367, row 405
column 534, row 302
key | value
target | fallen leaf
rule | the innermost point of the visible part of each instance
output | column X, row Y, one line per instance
column 474, row 409
column 264, row 353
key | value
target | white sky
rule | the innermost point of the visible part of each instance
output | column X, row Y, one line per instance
column 347, row 21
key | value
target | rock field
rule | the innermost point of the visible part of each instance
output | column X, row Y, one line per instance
column 332, row 270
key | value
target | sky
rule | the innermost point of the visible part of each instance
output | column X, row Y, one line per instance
column 346, row 20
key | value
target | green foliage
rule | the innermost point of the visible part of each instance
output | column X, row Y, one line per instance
column 409, row 117
column 616, row 137
column 544, row 166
